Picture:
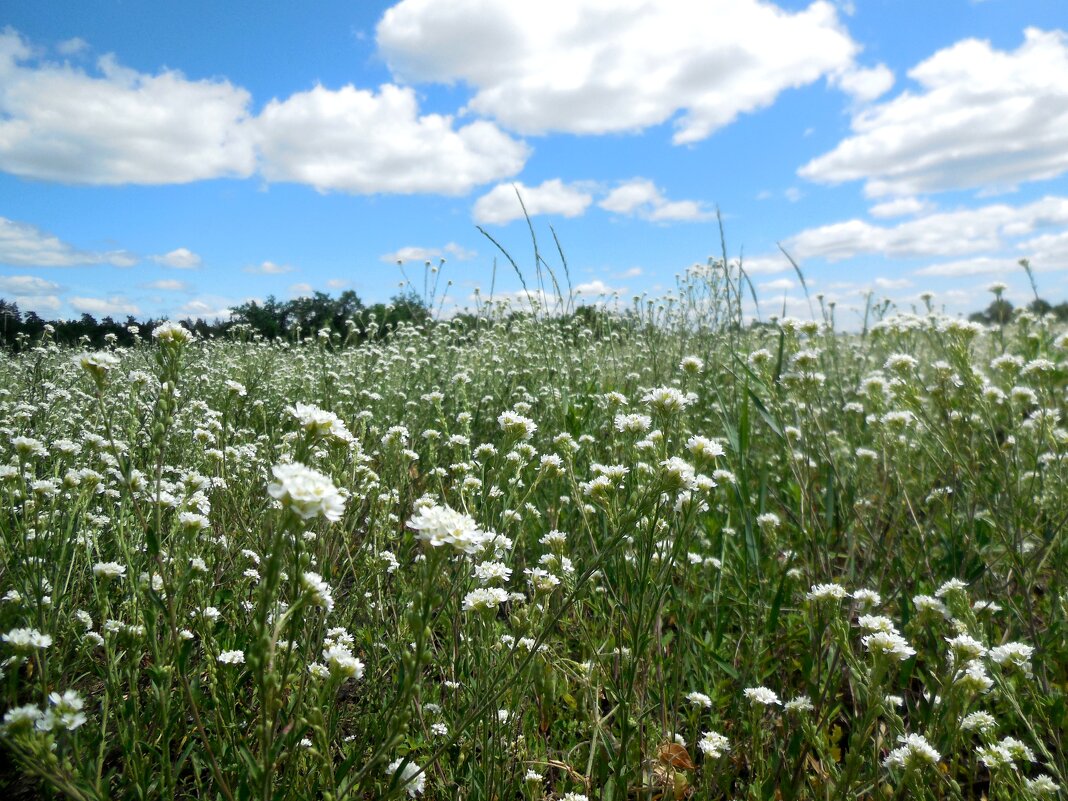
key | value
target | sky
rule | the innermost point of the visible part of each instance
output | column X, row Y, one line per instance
column 176, row 159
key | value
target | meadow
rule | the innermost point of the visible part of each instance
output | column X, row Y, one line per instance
column 659, row 553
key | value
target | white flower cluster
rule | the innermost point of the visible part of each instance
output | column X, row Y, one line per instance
column 306, row 492
column 439, row 525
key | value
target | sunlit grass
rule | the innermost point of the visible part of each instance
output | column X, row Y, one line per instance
column 545, row 554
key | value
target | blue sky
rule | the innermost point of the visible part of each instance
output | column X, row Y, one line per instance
column 175, row 159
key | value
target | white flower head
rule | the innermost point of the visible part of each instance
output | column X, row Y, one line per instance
column 889, row 644
column 412, row 779
column 699, row 699
column 98, row 364
column 232, row 657
column 827, row 592
column 914, row 752
column 713, row 744
column 168, row 333
column 439, row 525
column 667, row 400
column 763, row 696
column 307, row 492
column 27, row 639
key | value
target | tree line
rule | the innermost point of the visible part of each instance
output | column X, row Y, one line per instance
column 304, row 316
column 270, row 319
column 1001, row 311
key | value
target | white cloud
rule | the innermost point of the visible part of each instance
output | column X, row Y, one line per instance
column 116, row 126
column 679, row 211
column 301, row 290
column 113, row 306
column 900, row 207
column 865, row 85
column 980, row 265
column 501, row 205
column 205, row 309
column 179, row 259
column 38, row 303
column 597, row 287
column 629, row 196
column 411, row 253
column 763, row 265
column 459, row 252
column 353, row 140
column 1046, row 252
column 269, row 268
column 778, row 285
column 337, row 283
column 26, row 285
column 168, row 285
column 981, row 118
column 892, row 283
column 24, row 245
column 952, row 233
column 72, row 47
column 421, row 254
column 642, row 197
column 30, row 292
column 592, row 67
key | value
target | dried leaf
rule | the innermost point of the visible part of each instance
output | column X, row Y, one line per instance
column 675, row 755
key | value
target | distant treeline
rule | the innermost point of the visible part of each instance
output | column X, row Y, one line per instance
column 1001, row 311
column 306, row 316
column 270, row 319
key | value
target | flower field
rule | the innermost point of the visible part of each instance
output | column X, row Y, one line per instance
column 653, row 554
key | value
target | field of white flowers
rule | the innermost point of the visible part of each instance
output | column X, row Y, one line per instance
column 658, row 555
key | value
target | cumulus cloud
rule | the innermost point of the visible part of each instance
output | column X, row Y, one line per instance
column 642, row 197
column 593, row 67
column 24, row 245
column 501, row 204
column 179, row 259
column 764, row 265
column 205, row 308
column 459, row 252
column 950, row 233
column 778, row 285
column 26, row 285
column 900, row 207
column 30, row 292
column 960, row 268
column 1046, row 252
column 72, row 47
column 892, row 283
column 115, row 125
column 113, row 306
column 411, row 253
column 168, row 285
column 981, row 118
column 269, row 268
column 352, row 140
column 421, row 254
column 597, row 287
column 301, row 290
column 865, row 85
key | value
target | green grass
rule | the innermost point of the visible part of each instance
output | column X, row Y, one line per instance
column 923, row 460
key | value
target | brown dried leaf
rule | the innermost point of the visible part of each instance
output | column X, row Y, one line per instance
column 675, row 755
